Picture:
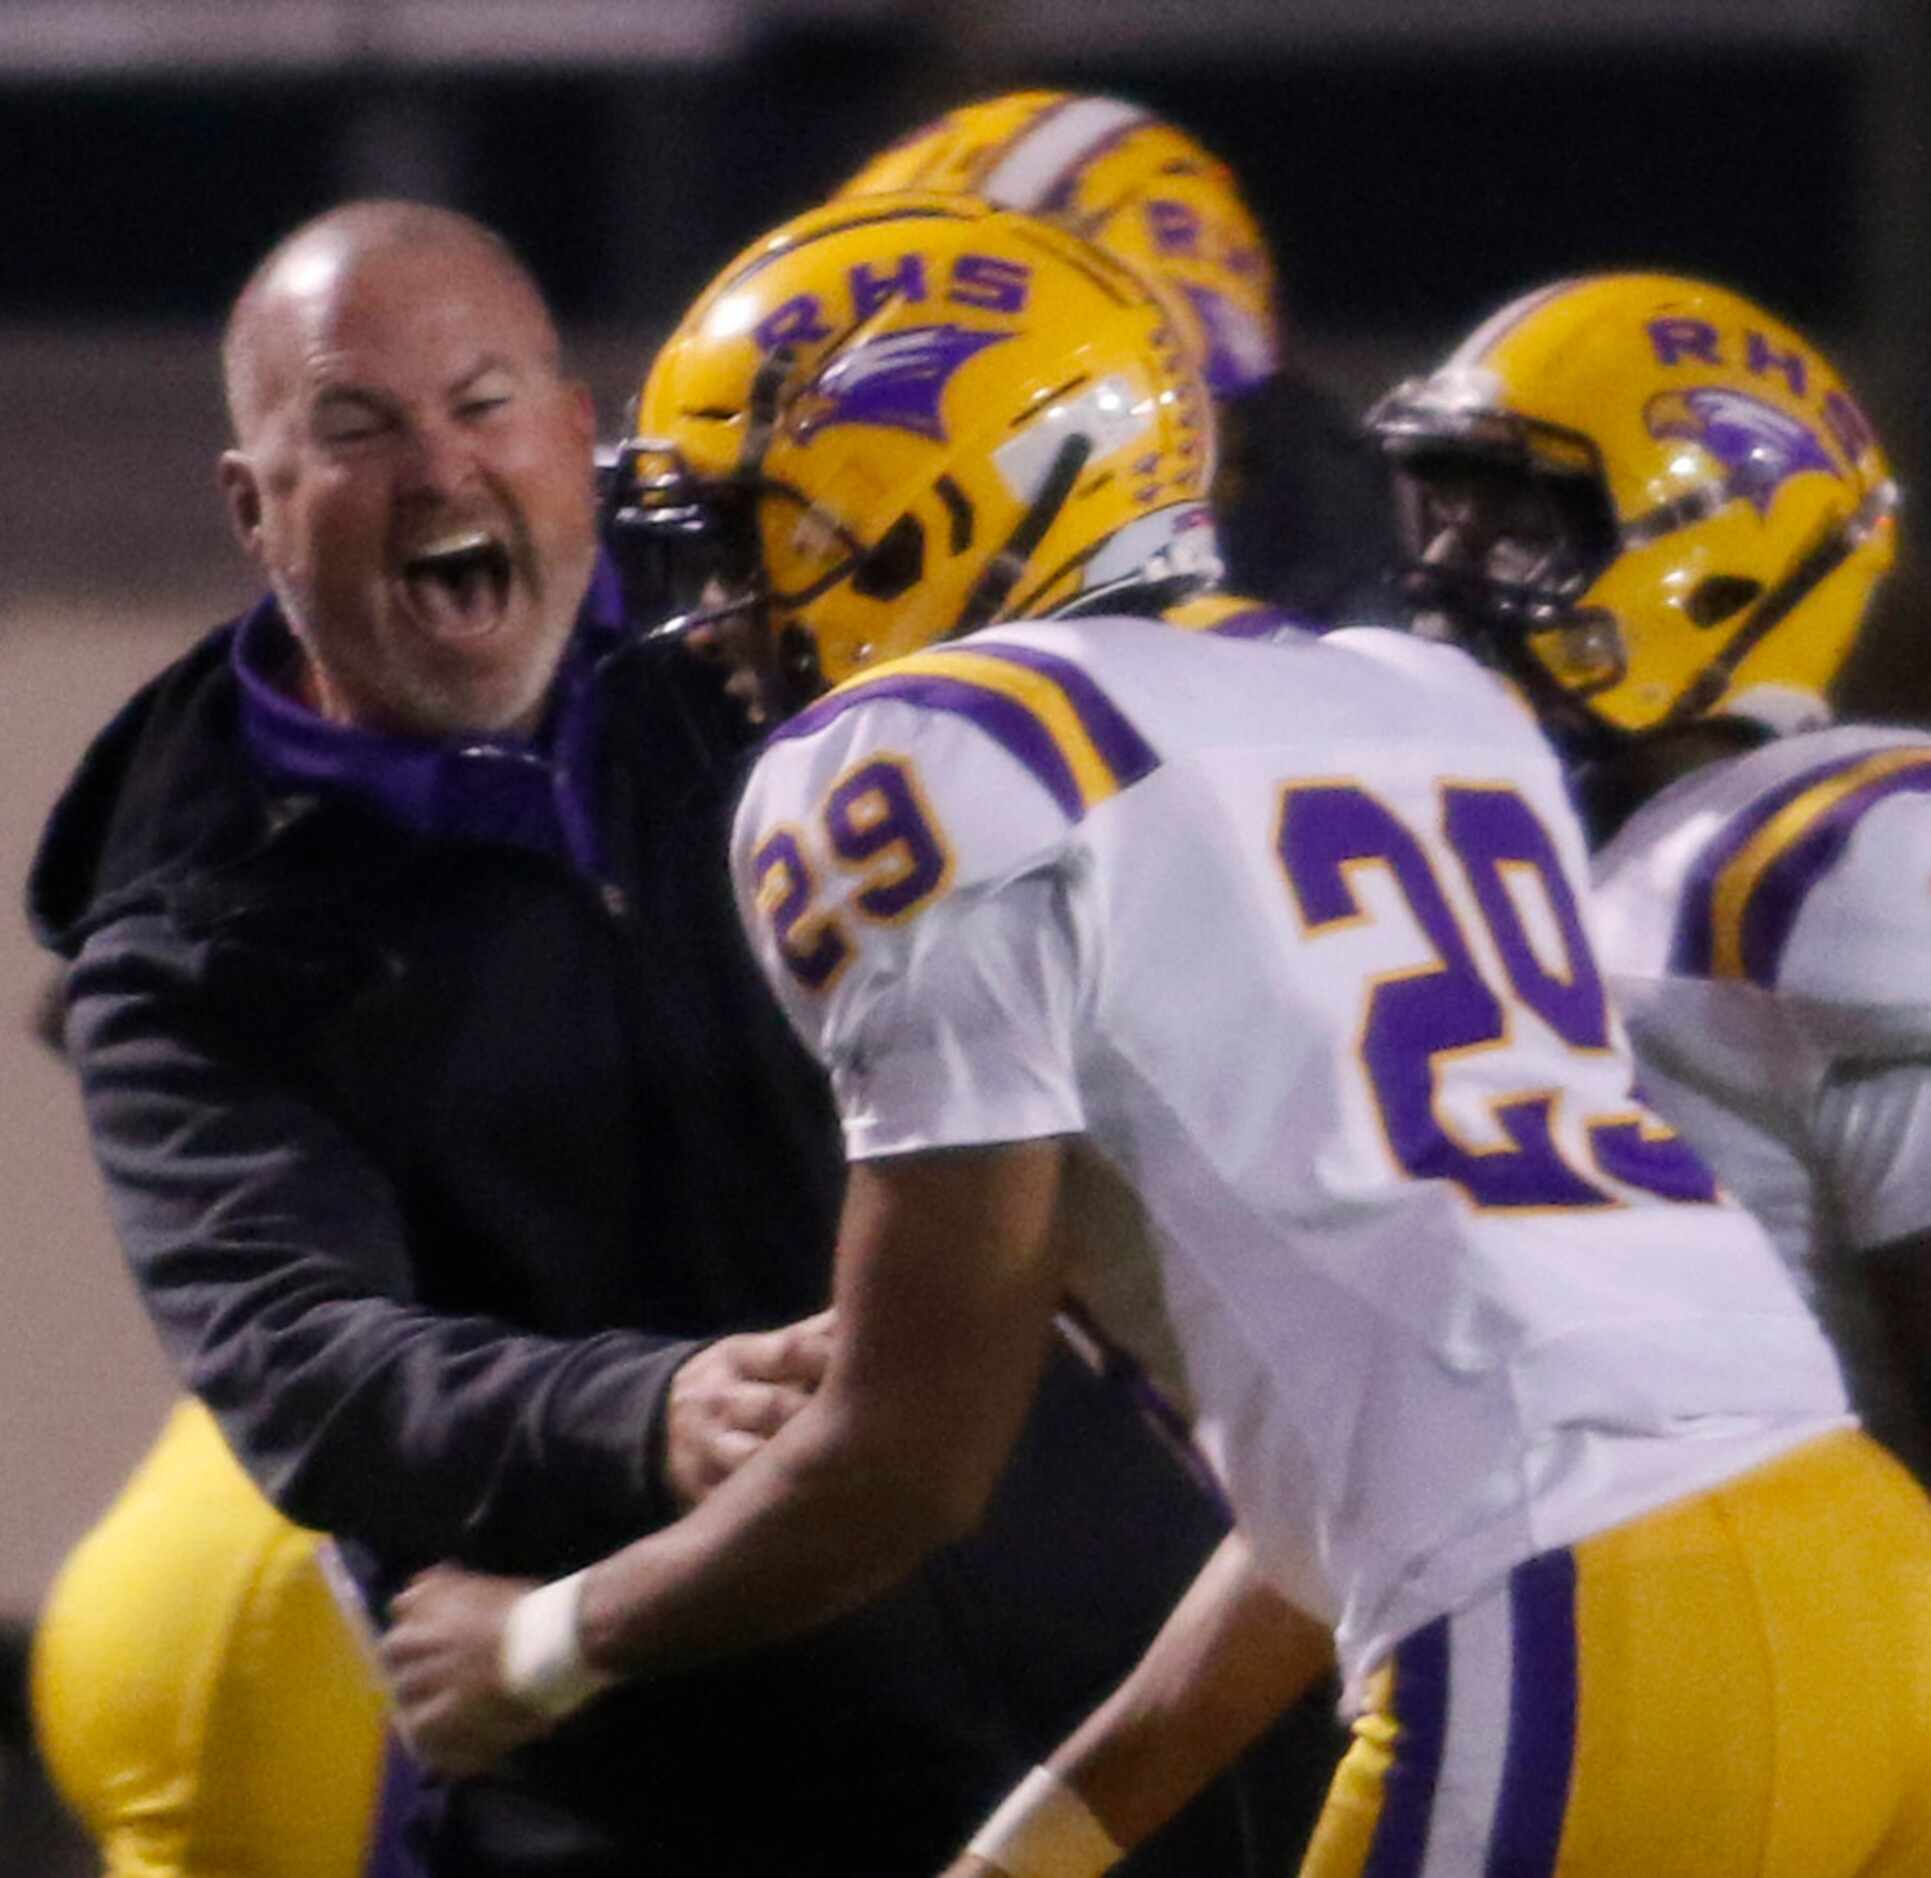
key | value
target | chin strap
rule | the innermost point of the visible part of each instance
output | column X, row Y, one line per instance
column 994, row 587
column 1141, row 594
column 1824, row 558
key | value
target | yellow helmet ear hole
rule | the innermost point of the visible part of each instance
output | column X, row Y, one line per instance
column 896, row 565
column 1717, row 598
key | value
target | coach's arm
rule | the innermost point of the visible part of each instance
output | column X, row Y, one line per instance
column 948, row 1276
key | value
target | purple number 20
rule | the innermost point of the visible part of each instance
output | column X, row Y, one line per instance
column 1413, row 1019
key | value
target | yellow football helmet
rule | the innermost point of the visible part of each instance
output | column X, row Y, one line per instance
column 897, row 419
column 1648, row 494
column 1129, row 182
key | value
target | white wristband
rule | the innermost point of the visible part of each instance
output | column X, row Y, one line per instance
column 1043, row 1829
column 540, row 1657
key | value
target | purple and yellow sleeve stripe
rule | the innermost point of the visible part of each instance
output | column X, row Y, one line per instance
column 1744, row 895
column 1045, row 711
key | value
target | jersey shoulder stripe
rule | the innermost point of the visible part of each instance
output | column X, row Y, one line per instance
column 1225, row 614
column 1046, row 711
column 1742, row 897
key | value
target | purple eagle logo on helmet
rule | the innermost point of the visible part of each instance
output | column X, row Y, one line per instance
column 895, row 380
column 1761, row 446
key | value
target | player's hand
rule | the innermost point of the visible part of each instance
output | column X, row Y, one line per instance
column 971, row 1865
column 733, row 1396
column 441, row 1656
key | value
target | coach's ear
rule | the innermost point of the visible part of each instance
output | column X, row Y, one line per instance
column 240, row 488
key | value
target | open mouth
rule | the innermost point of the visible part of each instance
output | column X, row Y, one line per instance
column 459, row 584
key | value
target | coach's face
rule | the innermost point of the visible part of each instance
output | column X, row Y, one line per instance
column 415, row 479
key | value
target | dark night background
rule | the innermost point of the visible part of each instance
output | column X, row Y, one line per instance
column 1406, row 190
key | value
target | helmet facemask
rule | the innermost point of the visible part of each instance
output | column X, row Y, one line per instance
column 688, row 547
column 1505, row 526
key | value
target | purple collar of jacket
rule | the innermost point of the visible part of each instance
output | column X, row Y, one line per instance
column 535, row 792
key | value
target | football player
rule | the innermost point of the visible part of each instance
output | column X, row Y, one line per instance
column 1664, row 513
column 1241, row 990
column 201, row 1700
column 1301, row 501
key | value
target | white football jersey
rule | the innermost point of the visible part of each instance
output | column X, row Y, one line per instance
column 1766, row 927
column 1291, row 934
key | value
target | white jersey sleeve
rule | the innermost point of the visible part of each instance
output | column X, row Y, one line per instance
column 899, row 862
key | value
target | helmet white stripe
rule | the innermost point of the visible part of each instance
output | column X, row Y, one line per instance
column 1110, row 415
column 1499, row 324
column 1055, row 147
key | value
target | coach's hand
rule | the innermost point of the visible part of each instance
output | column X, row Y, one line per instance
column 442, row 1656
column 733, row 1396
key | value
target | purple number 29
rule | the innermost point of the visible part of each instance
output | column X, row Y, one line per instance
column 876, row 826
column 1416, row 1018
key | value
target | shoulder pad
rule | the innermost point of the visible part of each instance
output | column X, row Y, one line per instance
column 1048, row 713
column 1822, row 885
column 940, row 775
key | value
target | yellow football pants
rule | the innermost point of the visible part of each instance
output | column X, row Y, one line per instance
column 1735, row 1686
column 199, row 1699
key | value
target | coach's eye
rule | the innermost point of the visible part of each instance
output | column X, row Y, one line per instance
column 357, row 429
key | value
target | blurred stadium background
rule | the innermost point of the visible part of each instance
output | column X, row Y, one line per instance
column 1414, row 160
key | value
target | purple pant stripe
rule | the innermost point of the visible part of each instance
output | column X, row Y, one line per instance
column 390, row 1853
column 1542, row 1719
column 1408, row 1795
